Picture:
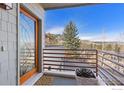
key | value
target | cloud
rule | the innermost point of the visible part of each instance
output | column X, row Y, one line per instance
column 100, row 37
column 85, row 37
column 55, row 30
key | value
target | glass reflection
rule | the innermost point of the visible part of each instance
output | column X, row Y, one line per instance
column 27, row 44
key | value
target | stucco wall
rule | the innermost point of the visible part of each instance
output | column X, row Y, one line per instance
column 8, row 33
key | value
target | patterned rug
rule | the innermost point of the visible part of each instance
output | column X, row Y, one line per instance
column 45, row 80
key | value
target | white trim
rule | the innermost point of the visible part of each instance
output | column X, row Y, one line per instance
column 31, row 81
column 101, row 82
column 18, row 46
column 62, row 74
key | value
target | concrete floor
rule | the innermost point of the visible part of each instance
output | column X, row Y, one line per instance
column 63, row 81
column 58, row 80
column 55, row 78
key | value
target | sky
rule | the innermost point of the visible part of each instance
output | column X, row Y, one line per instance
column 27, row 27
column 102, row 22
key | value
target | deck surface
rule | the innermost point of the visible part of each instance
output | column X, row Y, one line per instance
column 55, row 80
column 59, row 80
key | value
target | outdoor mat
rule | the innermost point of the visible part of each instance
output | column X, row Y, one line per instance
column 45, row 80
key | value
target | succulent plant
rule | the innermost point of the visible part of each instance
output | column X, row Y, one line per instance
column 49, row 68
column 83, row 72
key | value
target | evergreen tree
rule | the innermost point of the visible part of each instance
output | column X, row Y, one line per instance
column 109, row 47
column 70, row 36
column 117, row 48
column 99, row 47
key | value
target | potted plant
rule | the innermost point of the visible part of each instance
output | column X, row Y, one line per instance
column 85, row 77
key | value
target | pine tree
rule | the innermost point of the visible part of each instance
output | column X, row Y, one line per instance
column 117, row 48
column 70, row 36
column 109, row 47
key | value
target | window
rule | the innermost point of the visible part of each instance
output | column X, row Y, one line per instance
column 28, row 45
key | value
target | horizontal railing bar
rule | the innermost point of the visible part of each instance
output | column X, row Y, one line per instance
column 68, row 61
column 119, row 64
column 28, row 49
column 71, row 49
column 27, row 52
column 62, row 69
column 26, row 63
column 59, row 68
column 112, row 68
column 107, row 78
column 31, row 53
column 67, row 53
column 115, row 77
column 26, row 55
column 67, row 57
column 115, row 54
column 69, row 65
column 27, row 59
column 102, row 77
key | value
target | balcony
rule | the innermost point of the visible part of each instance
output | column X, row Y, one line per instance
column 111, row 67
column 59, row 66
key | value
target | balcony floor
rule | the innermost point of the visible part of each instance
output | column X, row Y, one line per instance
column 64, row 81
column 54, row 79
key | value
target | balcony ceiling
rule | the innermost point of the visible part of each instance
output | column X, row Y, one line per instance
column 48, row 6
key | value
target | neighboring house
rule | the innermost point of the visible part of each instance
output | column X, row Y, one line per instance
column 21, row 32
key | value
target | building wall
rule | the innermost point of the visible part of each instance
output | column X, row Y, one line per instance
column 8, row 41
column 9, row 33
column 39, row 12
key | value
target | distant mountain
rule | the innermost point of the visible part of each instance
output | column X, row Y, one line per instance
column 107, row 42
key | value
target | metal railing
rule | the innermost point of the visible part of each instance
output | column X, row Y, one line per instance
column 70, row 59
column 111, row 67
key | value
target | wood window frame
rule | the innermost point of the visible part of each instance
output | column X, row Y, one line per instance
column 27, row 75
